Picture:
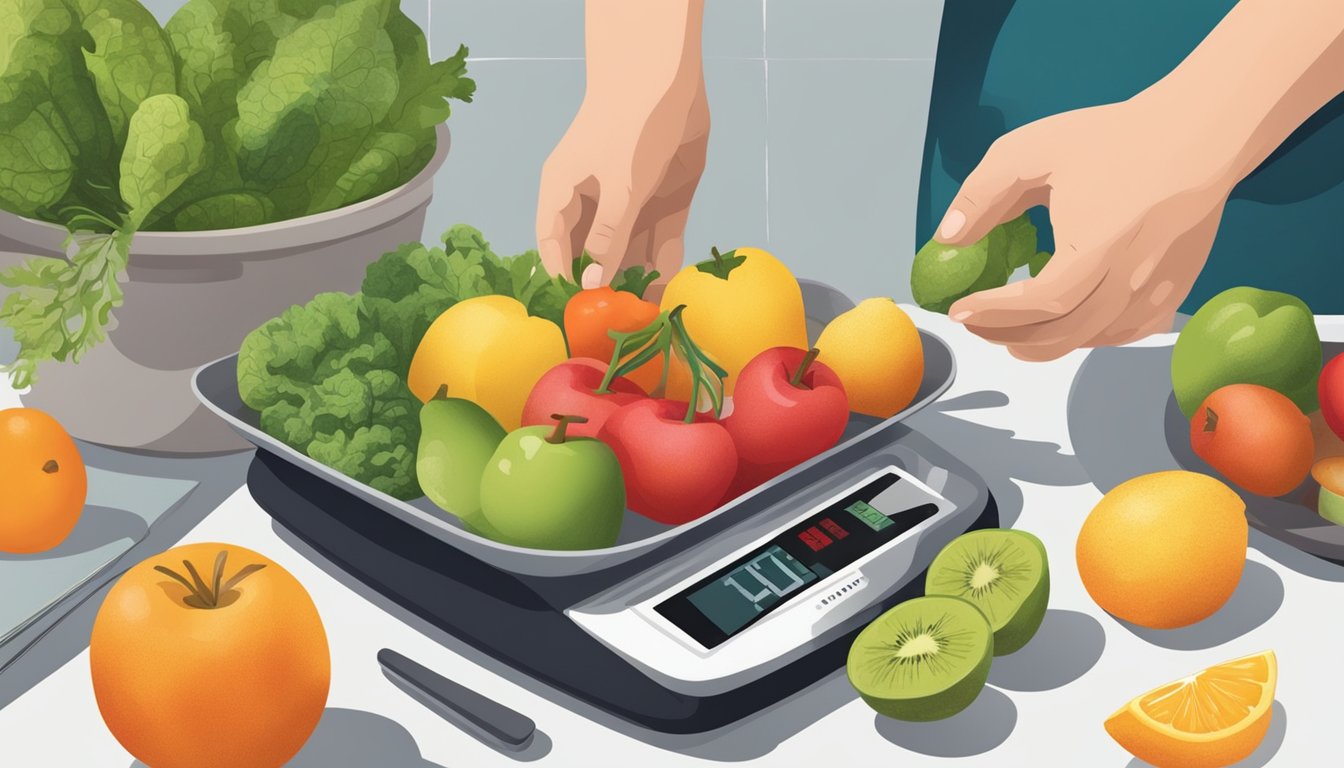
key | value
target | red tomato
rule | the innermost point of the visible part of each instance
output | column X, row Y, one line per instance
column 1256, row 437
column 571, row 388
column 777, row 424
column 1330, row 387
column 674, row 471
column 592, row 313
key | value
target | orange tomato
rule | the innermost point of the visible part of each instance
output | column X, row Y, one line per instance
column 592, row 313
column 44, row 482
column 210, row 655
column 1256, row 437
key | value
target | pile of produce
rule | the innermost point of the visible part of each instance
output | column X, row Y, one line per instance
column 1246, row 370
column 537, row 412
column 236, row 113
column 329, row 377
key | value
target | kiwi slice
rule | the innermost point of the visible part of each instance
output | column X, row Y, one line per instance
column 1005, row 573
column 926, row 659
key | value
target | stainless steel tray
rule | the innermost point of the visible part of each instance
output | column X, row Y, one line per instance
column 216, row 385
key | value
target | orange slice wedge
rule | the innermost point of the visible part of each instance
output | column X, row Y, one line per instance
column 1213, row 718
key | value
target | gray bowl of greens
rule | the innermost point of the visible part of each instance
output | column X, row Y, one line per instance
column 171, row 185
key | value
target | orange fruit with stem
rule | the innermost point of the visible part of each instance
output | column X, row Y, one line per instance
column 43, row 480
column 210, row 655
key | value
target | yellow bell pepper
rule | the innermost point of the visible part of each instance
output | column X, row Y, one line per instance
column 487, row 350
column 738, row 304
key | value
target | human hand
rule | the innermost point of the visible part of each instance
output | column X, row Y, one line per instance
column 620, row 182
column 1135, row 205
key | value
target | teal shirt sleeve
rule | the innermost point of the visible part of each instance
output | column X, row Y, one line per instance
column 1004, row 63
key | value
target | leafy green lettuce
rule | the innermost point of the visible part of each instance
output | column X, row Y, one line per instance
column 237, row 113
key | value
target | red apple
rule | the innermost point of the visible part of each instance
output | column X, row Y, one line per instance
column 675, row 471
column 571, row 388
column 787, row 408
column 1330, row 387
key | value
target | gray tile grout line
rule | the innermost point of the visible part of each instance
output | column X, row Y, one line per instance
column 765, row 76
column 429, row 28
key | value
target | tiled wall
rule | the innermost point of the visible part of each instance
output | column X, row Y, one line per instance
column 818, row 109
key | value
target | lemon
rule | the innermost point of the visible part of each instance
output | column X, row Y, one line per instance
column 487, row 350
column 1164, row 550
column 876, row 351
column 1215, row 717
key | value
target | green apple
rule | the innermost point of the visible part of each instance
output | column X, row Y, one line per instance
column 1248, row 336
column 457, row 439
column 545, row 490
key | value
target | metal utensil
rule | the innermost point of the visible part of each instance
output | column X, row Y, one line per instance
column 460, row 705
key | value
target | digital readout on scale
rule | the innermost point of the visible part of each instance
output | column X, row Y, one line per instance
column 727, row 601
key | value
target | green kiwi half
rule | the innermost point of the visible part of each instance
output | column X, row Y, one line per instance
column 1005, row 573
column 926, row 659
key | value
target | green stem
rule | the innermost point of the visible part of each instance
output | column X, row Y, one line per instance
column 562, row 422
column 798, row 375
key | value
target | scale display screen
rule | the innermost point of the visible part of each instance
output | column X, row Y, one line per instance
column 740, row 593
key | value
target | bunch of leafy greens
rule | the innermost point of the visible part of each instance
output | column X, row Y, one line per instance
column 237, row 113
column 329, row 377
column 942, row 274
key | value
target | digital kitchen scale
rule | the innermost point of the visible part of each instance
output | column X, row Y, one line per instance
column 716, row 624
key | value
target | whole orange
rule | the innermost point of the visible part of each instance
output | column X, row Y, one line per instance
column 1255, row 437
column 42, row 482
column 207, row 656
column 1164, row 550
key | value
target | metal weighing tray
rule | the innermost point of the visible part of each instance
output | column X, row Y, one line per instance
column 216, row 386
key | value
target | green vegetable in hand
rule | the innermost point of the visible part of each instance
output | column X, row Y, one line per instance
column 942, row 274
column 547, row 490
column 238, row 113
column 1248, row 336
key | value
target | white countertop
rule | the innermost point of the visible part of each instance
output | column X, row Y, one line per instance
column 1045, row 704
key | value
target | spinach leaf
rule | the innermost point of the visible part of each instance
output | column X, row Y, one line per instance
column 56, row 147
column 164, row 147
column 304, row 115
column 130, row 59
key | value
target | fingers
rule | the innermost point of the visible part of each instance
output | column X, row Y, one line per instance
column 1060, row 289
column 1000, row 188
column 613, row 224
column 559, row 210
column 668, row 251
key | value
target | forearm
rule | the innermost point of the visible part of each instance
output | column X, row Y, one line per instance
column 645, row 47
column 1266, row 68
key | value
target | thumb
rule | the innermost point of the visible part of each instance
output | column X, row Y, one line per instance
column 609, row 236
column 996, row 191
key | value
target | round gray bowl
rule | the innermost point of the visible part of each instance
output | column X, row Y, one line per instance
column 191, row 297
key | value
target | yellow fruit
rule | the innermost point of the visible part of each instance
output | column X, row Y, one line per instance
column 1214, row 718
column 1164, row 550
column 876, row 351
column 487, row 350
column 733, row 318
